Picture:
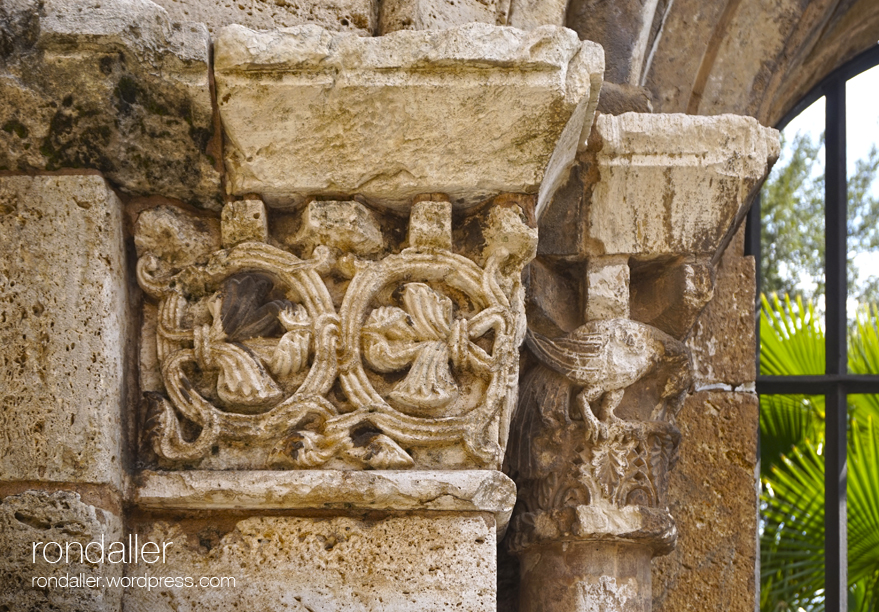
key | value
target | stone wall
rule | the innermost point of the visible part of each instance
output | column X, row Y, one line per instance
column 263, row 289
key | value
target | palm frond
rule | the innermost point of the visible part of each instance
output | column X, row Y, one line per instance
column 792, row 436
column 791, row 338
column 863, row 512
column 863, row 358
column 785, row 422
column 792, row 542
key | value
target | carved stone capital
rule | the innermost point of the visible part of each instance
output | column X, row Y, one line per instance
column 594, row 436
column 324, row 339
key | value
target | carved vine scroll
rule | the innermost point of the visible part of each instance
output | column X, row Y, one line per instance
column 338, row 356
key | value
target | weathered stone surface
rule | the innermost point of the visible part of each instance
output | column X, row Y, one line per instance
column 397, row 564
column 111, row 86
column 723, row 342
column 439, row 14
column 713, row 498
column 63, row 329
column 430, row 224
column 607, row 288
column 40, row 517
column 530, row 14
column 312, row 113
column 617, row 99
column 586, row 577
column 346, row 226
column 679, row 52
column 179, row 238
column 560, row 222
column 671, row 296
column 621, row 27
column 553, row 299
column 458, row 491
column 673, row 184
column 328, row 353
column 359, row 16
column 244, row 221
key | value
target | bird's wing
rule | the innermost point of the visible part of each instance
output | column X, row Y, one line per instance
column 577, row 358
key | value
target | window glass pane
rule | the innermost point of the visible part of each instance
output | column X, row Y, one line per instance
column 862, row 161
column 863, row 340
column 863, row 495
column 791, row 336
column 791, row 502
column 792, row 249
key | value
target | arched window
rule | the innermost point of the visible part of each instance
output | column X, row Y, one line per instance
column 833, row 390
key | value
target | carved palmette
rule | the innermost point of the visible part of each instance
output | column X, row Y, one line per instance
column 413, row 364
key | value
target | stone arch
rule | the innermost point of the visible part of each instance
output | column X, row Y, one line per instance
column 735, row 56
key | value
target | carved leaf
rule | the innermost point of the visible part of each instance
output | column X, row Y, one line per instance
column 429, row 383
column 291, row 354
column 394, row 338
column 243, row 380
column 609, row 465
column 245, row 314
column 379, row 452
column 431, row 312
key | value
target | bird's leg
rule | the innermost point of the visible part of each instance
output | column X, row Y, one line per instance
column 609, row 420
column 609, row 403
column 595, row 429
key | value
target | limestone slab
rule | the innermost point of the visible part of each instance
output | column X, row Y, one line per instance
column 63, row 329
column 359, row 16
column 439, row 14
column 459, row 491
column 724, row 340
column 530, row 14
column 111, row 86
column 471, row 112
column 340, row 564
column 673, row 184
column 714, row 502
column 62, row 517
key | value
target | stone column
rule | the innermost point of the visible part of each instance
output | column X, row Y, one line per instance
column 277, row 378
column 87, row 90
column 64, row 332
column 594, row 436
column 330, row 368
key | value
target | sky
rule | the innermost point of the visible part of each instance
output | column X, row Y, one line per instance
column 862, row 132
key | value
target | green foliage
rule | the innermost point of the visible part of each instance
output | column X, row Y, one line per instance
column 792, row 464
column 791, row 342
column 795, row 342
column 792, row 211
column 792, row 543
column 792, row 215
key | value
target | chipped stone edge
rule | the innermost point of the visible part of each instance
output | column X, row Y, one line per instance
column 450, row 491
column 584, row 79
column 644, row 139
column 311, row 48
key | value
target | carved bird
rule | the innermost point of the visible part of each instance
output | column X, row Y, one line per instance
column 594, row 364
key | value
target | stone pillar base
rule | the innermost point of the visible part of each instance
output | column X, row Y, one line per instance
column 319, row 540
column 586, row 577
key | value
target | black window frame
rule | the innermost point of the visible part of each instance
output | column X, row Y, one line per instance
column 836, row 383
